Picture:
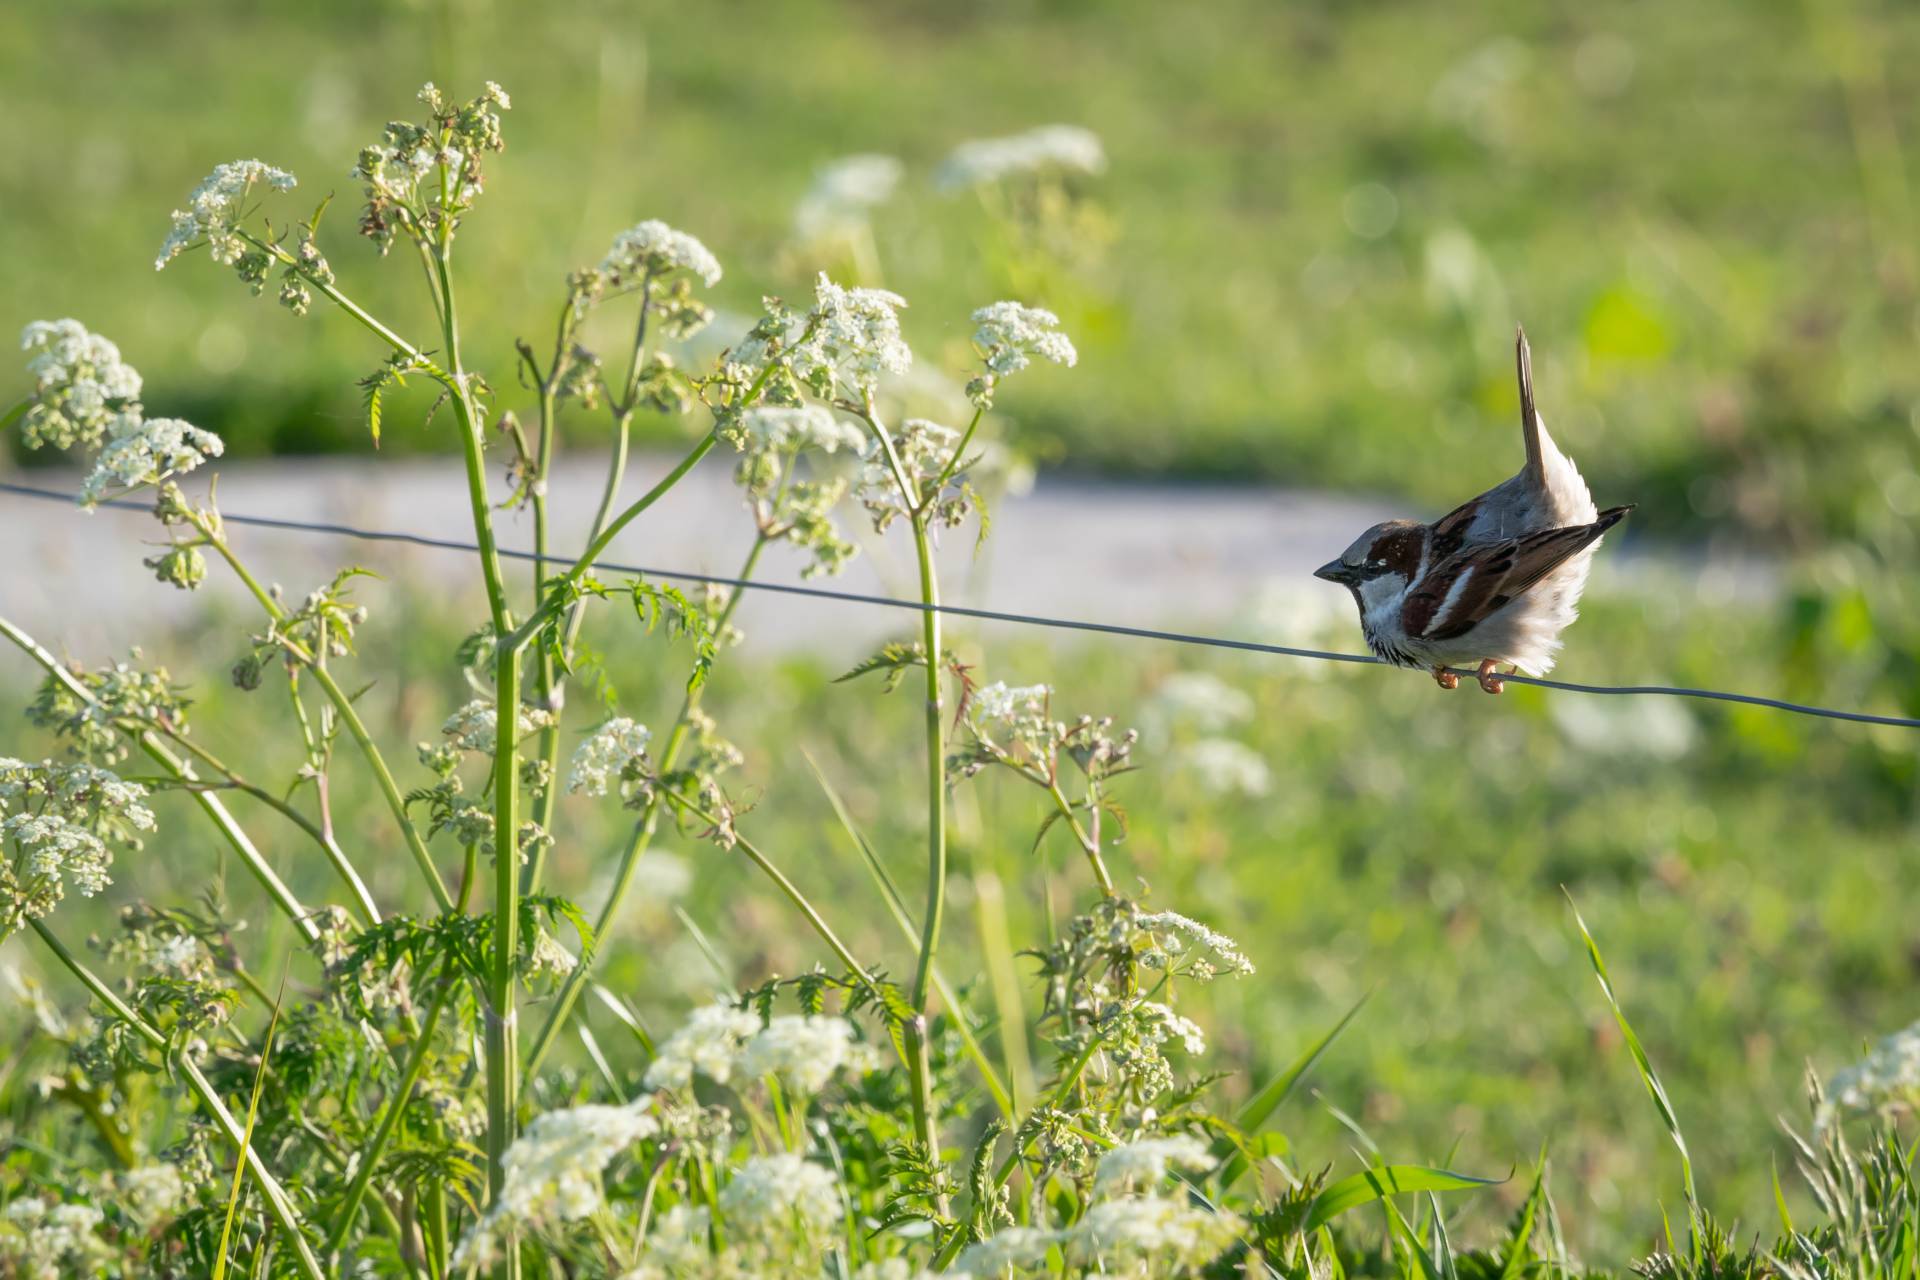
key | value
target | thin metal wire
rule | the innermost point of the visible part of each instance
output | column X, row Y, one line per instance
column 994, row 615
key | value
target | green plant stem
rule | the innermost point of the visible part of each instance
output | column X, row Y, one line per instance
column 548, row 686
column 230, row 830
column 786, row 886
column 376, row 1145
column 279, row 1204
column 637, row 844
column 1088, row 845
column 502, row 1050
column 343, row 706
column 920, row 1067
column 366, row 908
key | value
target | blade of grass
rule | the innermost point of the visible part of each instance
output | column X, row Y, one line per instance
column 897, row 908
column 1382, row 1181
column 246, row 1134
column 1257, row 1109
column 1519, row 1240
column 1648, row 1077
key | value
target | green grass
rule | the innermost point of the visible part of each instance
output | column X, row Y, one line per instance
column 1415, row 845
column 1702, row 216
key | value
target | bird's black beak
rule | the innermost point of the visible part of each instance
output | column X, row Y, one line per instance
column 1335, row 571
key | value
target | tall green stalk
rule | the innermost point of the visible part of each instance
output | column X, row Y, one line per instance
column 920, row 1066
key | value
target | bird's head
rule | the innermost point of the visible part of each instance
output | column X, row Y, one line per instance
column 1384, row 558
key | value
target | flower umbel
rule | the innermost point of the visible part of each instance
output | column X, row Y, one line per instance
column 215, row 209
column 83, row 392
column 147, row 454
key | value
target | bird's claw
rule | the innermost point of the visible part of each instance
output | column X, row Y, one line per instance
column 1490, row 681
column 1445, row 678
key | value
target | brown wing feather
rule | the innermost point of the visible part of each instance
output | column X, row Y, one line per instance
column 1494, row 574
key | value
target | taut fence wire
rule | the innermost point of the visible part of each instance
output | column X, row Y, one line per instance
column 989, row 615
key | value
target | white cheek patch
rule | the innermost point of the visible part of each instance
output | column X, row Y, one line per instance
column 1383, row 590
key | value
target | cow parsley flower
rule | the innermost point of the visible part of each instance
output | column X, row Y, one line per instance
column 842, row 193
column 854, row 336
column 611, row 754
column 999, row 704
column 654, row 249
column 1053, row 148
column 57, row 818
column 1887, row 1078
column 215, row 208
column 1168, row 1025
column 1014, row 1248
column 805, row 1052
column 1011, row 335
column 922, row 449
column 476, row 726
column 61, row 1240
column 83, row 391
column 148, row 453
column 805, row 427
column 1150, row 1236
column 1173, row 935
column 1198, row 700
column 151, row 1193
column 419, row 175
column 710, row 1042
column 770, row 1196
column 1141, row 1165
column 553, row 1171
column 1226, row 767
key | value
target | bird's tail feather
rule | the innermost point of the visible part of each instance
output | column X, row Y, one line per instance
column 1529, row 417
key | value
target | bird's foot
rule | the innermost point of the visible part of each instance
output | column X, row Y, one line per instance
column 1489, row 679
column 1445, row 678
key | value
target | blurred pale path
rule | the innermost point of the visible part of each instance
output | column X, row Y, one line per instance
column 1124, row 552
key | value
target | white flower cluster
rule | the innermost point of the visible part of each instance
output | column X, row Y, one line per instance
column 805, row 427
column 1198, row 700
column 147, row 454
column 553, row 1171
column 1011, row 335
column 55, row 815
column 1142, row 1164
column 1163, row 1023
column 1888, row 1077
column 83, row 391
column 47, row 1242
column 855, row 336
column 1017, row 710
column 841, row 195
column 215, row 208
column 709, row 1042
column 805, row 1052
column 1174, row 934
column 476, row 726
column 780, row 1212
column 151, row 1193
column 770, row 1194
column 606, row 756
column 654, row 249
column 1224, row 766
column 1132, row 1236
column 1053, row 148
column 923, row 449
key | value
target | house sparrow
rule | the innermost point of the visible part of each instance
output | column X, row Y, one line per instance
column 1494, row 581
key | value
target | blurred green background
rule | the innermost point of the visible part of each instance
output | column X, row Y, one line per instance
column 1318, row 226
column 1323, row 218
